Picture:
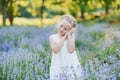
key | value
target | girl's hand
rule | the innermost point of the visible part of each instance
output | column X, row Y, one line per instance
column 70, row 32
column 65, row 36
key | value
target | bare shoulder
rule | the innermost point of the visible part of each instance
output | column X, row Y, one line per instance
column 51, row 37
column 52, row 40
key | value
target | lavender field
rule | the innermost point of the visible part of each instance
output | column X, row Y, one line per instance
column 25, row 53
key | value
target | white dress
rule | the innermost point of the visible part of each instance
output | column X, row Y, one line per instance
column 64, row 65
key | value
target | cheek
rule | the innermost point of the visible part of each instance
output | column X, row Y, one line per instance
column 60, row 30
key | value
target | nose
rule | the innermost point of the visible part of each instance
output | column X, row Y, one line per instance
column 61, row 29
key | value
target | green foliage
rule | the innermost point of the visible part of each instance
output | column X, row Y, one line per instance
column 97, row 35
column 114, row 48
column 24, row 12
column 52, row 12
column 25, row 46
column 80, row 9
column 84, row 45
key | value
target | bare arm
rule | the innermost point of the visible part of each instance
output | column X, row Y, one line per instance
column 71, row 43
column 56, row 47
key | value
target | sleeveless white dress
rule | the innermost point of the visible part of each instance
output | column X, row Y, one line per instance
column 64, row 65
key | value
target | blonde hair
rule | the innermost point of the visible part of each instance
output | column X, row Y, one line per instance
column 70, row 19
column 63, row 22
column 67, row 19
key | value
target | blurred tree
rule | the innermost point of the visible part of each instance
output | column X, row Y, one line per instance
column 86, row 9
column 107, row 4
column 54, row 7
column 83, row 6
column 24, row 8
column 23, row 12
column 116, row 5
column 10, row 11
column 3, row 4
column 7, row 10
column 36, row 8
column 60, row 7
column 42, row 11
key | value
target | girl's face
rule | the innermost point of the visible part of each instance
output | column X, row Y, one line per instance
column 64, row 28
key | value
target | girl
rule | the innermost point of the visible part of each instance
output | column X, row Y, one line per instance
column 64, row 64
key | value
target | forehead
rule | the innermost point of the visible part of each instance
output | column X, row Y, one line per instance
column 66, row 25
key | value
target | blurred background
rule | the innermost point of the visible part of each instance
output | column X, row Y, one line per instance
column 25, row 27
column 47, row 12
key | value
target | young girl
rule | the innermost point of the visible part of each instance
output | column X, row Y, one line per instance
column 64, row 64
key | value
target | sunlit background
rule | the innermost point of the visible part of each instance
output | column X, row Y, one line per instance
column 25, row 26
column 36, row 12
